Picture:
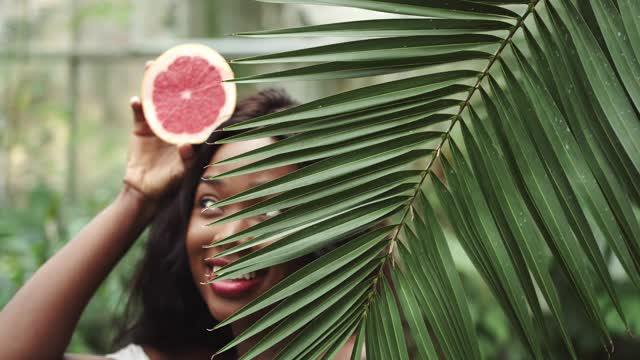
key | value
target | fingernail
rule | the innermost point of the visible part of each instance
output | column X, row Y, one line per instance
column 134, row 99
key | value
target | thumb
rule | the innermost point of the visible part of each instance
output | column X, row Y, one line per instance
column 140, row 126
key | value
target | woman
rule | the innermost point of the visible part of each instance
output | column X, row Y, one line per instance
column 163, row 184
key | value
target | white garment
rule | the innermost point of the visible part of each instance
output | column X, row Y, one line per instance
column 130, row 352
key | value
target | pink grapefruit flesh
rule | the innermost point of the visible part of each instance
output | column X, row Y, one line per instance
column 183, row 96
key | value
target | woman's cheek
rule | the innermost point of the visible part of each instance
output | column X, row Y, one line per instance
column 199, row 233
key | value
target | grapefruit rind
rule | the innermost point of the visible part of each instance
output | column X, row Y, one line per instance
column 160, row 65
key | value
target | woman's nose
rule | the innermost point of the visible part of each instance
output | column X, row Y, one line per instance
column 235, row 227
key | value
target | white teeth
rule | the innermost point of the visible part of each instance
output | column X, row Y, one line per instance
column 248, row 276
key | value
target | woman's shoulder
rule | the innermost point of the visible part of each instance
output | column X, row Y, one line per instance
column 146, row 352
column 129, row 352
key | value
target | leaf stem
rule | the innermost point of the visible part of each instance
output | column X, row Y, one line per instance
column 438, row 150
column 463, row 106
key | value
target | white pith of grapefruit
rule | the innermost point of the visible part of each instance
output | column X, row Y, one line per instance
column 183, row 96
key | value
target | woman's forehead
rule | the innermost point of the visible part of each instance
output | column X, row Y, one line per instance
column 233, row 149
column 226, row 151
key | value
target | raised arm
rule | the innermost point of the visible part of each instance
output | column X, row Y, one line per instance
column 40, row 319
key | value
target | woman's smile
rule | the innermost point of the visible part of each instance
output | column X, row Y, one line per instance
column 239, row 287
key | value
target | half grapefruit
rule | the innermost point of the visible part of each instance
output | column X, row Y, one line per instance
column 183, row 96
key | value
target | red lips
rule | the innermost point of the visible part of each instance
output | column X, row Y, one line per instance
column 232, row 288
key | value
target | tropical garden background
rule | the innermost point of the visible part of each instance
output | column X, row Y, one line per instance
column 67, row 70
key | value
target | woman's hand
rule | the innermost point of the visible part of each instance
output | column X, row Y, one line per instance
column 153, row 166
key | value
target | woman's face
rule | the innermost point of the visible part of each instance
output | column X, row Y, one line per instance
column 224, row 297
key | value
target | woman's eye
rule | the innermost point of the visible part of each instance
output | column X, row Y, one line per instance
column 207, row 204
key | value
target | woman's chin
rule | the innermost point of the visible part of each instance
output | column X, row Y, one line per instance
column 221, row 308
column 220, row 314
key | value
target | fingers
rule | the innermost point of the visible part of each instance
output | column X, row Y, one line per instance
column 186, row 154
column 140, row 126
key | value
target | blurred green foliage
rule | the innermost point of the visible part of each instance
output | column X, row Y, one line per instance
column 29, row 235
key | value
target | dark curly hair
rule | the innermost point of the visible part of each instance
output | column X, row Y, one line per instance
column 167, row 309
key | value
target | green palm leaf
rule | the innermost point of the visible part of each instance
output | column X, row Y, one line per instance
column 392, row 48
column 391, row 27
column 539, row 149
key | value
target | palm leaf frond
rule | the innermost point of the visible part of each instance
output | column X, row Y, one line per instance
column 536, row 131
